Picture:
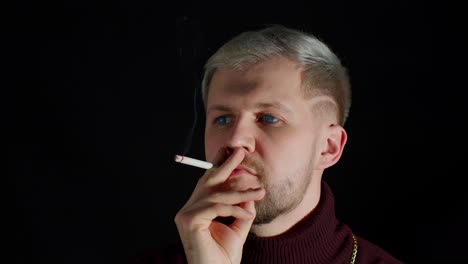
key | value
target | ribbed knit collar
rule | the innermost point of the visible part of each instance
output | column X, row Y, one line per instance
column 318, row 238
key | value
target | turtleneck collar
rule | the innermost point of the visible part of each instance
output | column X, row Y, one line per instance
column 317, row 238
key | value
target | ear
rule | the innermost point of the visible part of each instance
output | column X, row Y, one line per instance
column 336, row 137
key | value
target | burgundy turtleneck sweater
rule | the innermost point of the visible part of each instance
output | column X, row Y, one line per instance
column 318, row 238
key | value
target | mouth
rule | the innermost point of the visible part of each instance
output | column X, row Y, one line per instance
column 242, row 170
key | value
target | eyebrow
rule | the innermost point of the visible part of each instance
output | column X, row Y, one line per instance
column 261, row 105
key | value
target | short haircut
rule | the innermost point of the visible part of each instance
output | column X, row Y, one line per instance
column 323, row 71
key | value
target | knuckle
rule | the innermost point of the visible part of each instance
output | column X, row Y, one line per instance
column 184, row 217
column 215, row 196
column 219, row 208
column 180, row 217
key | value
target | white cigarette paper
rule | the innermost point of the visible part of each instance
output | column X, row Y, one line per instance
column 193, row 162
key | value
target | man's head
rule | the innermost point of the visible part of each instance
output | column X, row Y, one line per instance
column 323, row 73
column 281, row 96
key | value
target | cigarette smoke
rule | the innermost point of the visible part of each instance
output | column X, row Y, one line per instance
column 189, row 138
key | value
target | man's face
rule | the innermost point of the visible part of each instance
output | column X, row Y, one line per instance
column 263, row 111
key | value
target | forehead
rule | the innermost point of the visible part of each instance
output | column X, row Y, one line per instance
column 277, row 79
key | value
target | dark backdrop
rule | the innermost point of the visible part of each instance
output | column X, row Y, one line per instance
column 97, row 102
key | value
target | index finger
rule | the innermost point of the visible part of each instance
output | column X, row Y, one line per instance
column 224, row 170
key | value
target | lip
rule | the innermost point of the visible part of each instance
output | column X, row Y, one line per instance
column 242, row 170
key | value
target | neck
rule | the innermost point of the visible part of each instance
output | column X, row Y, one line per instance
column 284, row 222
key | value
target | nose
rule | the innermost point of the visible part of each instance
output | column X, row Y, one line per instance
column 242, row 135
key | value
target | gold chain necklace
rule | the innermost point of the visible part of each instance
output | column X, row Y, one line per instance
column 355, row 246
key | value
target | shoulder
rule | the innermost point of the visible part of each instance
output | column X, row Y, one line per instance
column 369, row 253
column 169, row 254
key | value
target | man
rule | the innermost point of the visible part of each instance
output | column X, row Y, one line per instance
column 276, row 102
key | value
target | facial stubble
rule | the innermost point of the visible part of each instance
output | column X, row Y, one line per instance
column 283, row 197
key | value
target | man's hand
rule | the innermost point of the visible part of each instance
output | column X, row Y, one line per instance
column 206, row 240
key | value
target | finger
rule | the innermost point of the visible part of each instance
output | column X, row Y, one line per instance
column 243, row 225
column 220, row 157
column 225, row 169
column 250, row 206
column 235, row 197
column 203, row 216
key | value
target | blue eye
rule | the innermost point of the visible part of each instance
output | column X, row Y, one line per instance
column 222, row 120
column 269, row 119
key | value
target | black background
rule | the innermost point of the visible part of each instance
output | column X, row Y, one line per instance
column 97, row 102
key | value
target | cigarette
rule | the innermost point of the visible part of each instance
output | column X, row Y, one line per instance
column 193, row 162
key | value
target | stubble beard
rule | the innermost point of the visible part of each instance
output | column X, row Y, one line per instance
column 283, row 197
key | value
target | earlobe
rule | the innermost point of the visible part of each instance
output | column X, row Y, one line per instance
column 335, row 142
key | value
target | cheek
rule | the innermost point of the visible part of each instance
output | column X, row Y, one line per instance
column 292, row 140
column 213, row 143
column 290, row 150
